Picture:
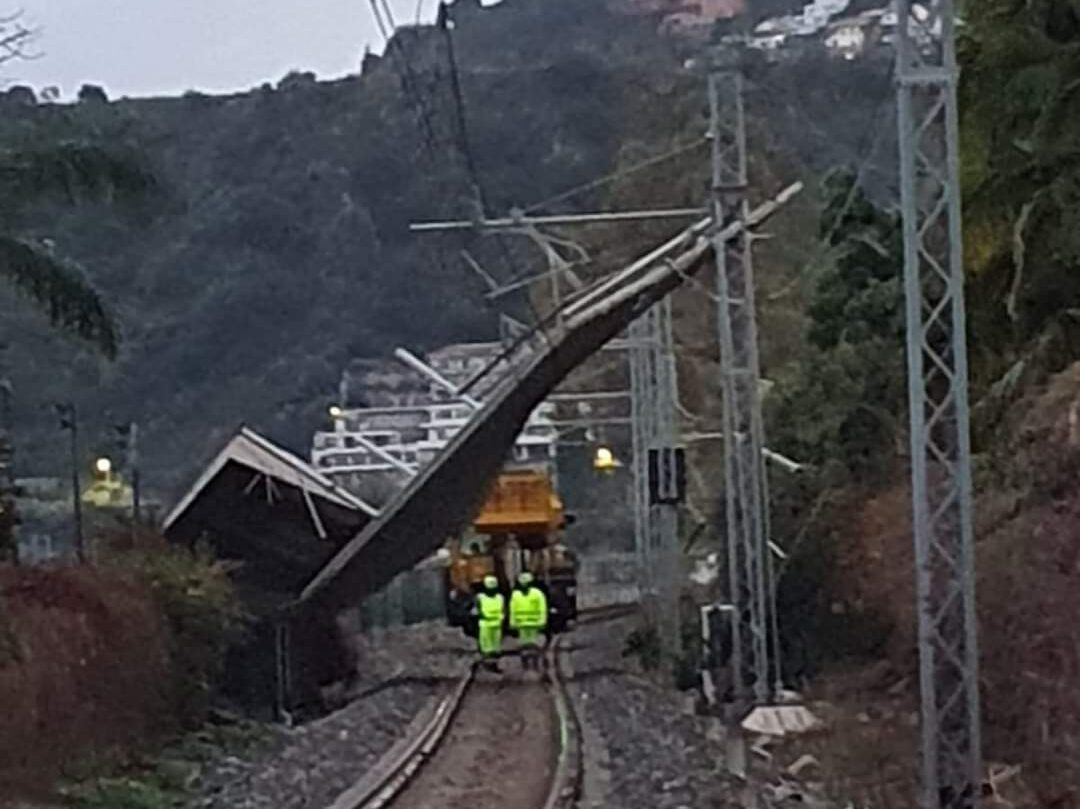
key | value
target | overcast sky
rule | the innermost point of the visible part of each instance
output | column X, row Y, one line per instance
column 154, row 47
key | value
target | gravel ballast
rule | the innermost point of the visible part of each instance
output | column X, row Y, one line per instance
column 307, row 767
column 658, row 755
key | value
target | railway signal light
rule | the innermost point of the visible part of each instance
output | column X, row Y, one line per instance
column 605, row 461
column 667, row 475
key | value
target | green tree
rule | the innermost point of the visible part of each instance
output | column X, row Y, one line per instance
column 1020, row 101
column 840, row 408
column 841, row 405
column 72, row 173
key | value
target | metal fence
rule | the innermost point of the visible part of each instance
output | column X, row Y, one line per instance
column 411, row 598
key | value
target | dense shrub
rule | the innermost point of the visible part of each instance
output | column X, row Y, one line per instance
column 97, row 661
column 192, row 593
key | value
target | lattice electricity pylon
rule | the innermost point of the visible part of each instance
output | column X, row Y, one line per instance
column 744, row 473
column 655, row 434
column 938, row 400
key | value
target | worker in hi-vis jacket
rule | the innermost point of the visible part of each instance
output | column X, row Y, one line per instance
column 528, row 617
column 490, row 611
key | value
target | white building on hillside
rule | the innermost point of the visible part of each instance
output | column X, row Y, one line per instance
column 403, row 419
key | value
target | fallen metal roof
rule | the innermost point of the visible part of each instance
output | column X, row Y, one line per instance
column 441, row 499
column 259, row 454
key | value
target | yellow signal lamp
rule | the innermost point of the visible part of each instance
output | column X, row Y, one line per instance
column 604, row 460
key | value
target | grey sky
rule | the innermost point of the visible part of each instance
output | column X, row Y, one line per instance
column 154, row 47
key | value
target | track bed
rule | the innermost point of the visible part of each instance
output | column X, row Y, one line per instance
column 500, row 751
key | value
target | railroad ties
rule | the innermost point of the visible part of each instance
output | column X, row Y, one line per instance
column 485, row 736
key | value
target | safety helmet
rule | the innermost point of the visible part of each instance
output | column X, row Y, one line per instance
column 491, row 583
column 525, row 578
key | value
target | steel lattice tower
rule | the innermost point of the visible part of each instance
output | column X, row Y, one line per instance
column 938, row 394
column 744, row 473
column 653, row 392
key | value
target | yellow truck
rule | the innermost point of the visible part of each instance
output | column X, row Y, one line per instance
column 517, row 529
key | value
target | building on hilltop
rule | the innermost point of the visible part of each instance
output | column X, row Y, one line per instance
column 847, row 37
column 684, row 17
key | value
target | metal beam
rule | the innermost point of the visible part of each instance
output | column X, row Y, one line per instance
column 588, row 396
column 445, row 493
column 418, row 364
column 372, row 447
column 926, row 76
column 565, row 219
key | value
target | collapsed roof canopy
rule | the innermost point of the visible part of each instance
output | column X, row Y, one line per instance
column 262, row 506
column 441, row 499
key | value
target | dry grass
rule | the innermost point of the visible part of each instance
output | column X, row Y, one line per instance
column 867, row 752
column 1028, row 558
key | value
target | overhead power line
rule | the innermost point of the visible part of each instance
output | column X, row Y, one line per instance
column 869, row 143
column 445, row 23
column 618, row 175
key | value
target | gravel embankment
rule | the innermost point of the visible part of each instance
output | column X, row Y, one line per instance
column 658, row 756
column 309, row 766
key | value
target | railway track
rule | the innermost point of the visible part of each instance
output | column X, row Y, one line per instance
column 490, row 741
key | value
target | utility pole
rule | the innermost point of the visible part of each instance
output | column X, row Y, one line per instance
column 749, row 565
column 657, row 483
column 129, row 433
column 9, row 543
column 926, row 75
column 69, row 421
column 133, row 465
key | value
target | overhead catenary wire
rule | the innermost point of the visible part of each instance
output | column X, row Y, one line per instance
column 870, row 142
column 445, row 23
column 379, row 22
column 389, row 15
column 410, row 85
column 399, row 60
column 618, row 175
column 464, row 144
column 873, row 135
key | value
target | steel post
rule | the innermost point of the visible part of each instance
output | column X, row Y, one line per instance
column 9, row 542
column 641, row 337
column 744, row 475
column 133, row 469
column 938, row 403
column 653, row 386
column 665, row 514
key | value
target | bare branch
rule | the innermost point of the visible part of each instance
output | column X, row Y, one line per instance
column 16, row 39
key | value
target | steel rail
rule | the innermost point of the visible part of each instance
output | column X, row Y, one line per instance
column 400, row 766
column 567, row 781
column 382, row 790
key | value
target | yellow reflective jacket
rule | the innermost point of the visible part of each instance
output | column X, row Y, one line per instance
column 491, row 608
column 528, row 609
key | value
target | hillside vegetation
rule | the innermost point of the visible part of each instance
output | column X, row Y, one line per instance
column 849, row 595
column 279, row 248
